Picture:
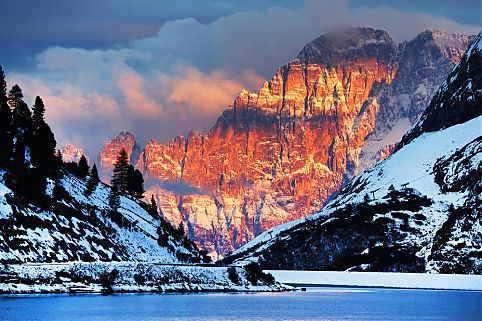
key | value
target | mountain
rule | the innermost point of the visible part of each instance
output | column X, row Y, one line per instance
column 108, row 155
column 420, row 210
column 278, row 155
column 72, row 154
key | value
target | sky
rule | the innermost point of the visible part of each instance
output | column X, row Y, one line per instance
column 160, row 68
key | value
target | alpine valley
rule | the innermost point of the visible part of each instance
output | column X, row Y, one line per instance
column 281, row 154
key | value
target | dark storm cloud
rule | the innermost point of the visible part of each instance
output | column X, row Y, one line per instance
column 161, row 83
column 27, row 27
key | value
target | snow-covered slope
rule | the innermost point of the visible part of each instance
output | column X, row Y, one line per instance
column 420, row 210
column 76, row 227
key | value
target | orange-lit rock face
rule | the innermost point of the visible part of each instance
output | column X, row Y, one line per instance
column 72, row 154
column 277, row 155
column 108, row 155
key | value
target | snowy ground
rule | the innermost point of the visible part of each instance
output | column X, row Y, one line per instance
column 379, row 279
column 132, row 277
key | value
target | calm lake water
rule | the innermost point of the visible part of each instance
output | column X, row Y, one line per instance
column 317, row 304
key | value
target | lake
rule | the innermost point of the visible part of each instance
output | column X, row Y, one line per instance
column 315, row 304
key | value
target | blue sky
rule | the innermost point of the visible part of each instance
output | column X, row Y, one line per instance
column 103, row 66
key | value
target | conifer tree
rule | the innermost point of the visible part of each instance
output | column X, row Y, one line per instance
column 21, row 110
column 93, row 180
column 83, row 167
column 114, row 199
column 180, row 229
column 42, row 149
column 19, row 154
column 153, row 204
column 59, row 158
column 120, row 173
column 6, row 144
column 38, row 111
column 138, row 185
column 130, row 180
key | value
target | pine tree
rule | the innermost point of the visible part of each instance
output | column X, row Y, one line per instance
column 93, row 180
column 42, row 149
column 153, row 205
column 6, row 143
column 120, row 174
column 180, row 229
column 20, row 108
column 19, row 154
column 114, row 199
column 130, row 180
column 82, row 168
column 38, row 111
column 138, row 185
column 59, row 158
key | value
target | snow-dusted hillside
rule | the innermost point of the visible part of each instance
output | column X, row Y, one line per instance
column 82, row 228
column 128, row 277
column 420, row 210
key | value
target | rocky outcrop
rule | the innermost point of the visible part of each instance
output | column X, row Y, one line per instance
column 458, row 99
column 279, row 154
column 72, row 154
column 108, row 155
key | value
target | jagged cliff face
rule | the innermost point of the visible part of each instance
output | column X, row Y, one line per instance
column 108, row 155
column 72, row 154
column 277, row 155
column 417, row 211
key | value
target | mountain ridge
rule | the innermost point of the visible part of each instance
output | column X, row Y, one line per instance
column 417, row 211
column 278, row 155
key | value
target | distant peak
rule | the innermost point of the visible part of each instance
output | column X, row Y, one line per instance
column 125, row 133
column 443, row 38
column 72, row 153
column 353, row 44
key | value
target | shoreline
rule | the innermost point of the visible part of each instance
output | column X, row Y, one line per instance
column 130, row 277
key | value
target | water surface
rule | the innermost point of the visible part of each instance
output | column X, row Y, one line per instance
column 315, row 304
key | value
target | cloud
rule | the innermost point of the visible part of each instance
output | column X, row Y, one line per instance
column 183, row 77
column 207, row 91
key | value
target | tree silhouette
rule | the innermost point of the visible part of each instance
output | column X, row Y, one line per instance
column 42, row 148
column 120, row 173
column 138, row 185
column 6, row 144
column 21, row 110
column 180, row 229
column 38, row 111
column 83, row 167
column 93, row 181
column 153, row 205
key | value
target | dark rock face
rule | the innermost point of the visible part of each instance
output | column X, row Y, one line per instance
column 351, row 45
column 277, row 155
column 458, row 99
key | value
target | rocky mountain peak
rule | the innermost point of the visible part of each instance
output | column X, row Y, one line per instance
column 72, row 154
column 350, row 45
column 278, row 155
column 451, row 46
column 111, row 149
column 459, row 98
